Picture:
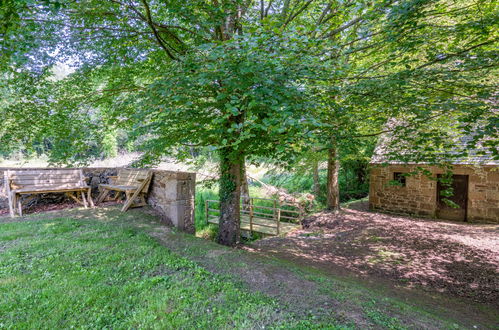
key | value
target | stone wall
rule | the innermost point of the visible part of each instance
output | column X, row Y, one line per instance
column 171, row 194
column 419, row 196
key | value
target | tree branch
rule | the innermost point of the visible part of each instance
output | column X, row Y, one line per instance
column 160, row 40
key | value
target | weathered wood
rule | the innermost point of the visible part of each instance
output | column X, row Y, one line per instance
column 206, row 210
column 278, row 220
column 265, row 223
column 130, row 200
column 133, row 183
column 42, row 172
column 251, row 216
column 83, row 198
column 89, row 192
column 266, row 227
column 11, row 205
column 29, row 182
column 19, row 207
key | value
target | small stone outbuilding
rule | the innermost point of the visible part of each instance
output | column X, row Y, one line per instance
column 475, row 185
column 476, row 191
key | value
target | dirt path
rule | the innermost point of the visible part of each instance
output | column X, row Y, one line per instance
column 454, row 259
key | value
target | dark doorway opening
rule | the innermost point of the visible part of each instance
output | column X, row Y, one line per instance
column 459, row 197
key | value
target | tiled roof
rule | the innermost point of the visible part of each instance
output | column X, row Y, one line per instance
column 478, row 156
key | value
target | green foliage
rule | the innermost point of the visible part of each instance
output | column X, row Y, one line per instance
column 353, row 182
column 202, row 194
column 110, row 145
column 255, row 80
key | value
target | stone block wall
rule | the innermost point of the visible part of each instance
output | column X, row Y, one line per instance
column 419, row 196
column 171, row 193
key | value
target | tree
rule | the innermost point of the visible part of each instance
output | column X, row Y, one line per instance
column 250, row 79
column 429, row 65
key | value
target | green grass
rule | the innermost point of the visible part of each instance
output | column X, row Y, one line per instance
column 90, row 273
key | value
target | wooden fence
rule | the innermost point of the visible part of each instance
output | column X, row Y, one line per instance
column 261, row 215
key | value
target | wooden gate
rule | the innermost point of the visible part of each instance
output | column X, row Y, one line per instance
column 459, row 197
column 260, row 215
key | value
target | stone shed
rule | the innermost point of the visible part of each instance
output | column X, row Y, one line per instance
column 476, row 191
column 171, row 193
column 475, row 182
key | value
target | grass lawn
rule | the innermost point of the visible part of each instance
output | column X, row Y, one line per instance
column 105, row 269
column 62, row 273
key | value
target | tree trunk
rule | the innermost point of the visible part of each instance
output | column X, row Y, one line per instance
column 317, row 187
column 230, row 192
column 245, row 195
column 333, row 189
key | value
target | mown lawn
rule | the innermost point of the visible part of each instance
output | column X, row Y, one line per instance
column 101, row 268
column 63, row 272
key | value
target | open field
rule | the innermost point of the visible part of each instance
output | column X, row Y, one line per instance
column 103, row 268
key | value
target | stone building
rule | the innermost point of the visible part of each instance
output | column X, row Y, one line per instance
column 475, row 184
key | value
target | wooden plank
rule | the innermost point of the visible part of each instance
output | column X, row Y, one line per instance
column 261, row 228
column 116, row 187
column 11, row 204
column 142, row 174
column 263, row 207
column 130, row 200
column 137, row 175
column 89, row 197
column 25, row 192
column 50, row 186
column 36, row 182
column 44, row 176
column 48, row 172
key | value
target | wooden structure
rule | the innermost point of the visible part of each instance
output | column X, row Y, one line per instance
column 261, row 215
column 134, row 183
column 31, row 182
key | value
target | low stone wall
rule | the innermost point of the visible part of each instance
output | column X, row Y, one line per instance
column 171, row 194
column 419, row 196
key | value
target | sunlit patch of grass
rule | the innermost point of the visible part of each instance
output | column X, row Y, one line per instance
column 209, row 232
column 376, row 314
column 386, row 256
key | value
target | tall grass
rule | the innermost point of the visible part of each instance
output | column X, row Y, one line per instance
column 351, row 188
column 203, row 194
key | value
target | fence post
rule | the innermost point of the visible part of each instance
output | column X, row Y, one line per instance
column 251, row 216
column 278, row 220
column 206, row 211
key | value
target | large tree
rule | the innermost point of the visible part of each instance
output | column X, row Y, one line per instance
column 248, row 78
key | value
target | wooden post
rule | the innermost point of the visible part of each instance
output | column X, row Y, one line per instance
column 275, row 207
column 10, row 194
column 19, row 206
column 251, row 216
column 206, row 211
column 89, row 198
column 11, row 205
column 278, row 220
column 84, row 199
